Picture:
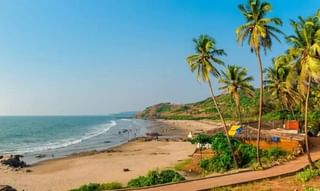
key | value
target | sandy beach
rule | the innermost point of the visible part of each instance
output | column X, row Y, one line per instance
column 138, row 156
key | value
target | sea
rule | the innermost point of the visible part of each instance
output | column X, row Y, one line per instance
column 40, row 138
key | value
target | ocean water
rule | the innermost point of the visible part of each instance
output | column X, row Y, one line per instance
column 59, row 136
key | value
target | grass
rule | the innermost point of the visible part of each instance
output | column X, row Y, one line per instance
column 181, row 166
column 99, row 187
column 307, row 174
column 306, row 180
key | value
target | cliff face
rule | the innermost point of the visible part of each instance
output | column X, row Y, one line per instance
column 201, row 110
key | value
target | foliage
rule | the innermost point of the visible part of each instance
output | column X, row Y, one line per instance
column 99, row 187
column 310, row 189
column 222, row 159
column 155, row 177
column 234, row 80
column 181, row 165
column 307, row 175
column 220, row 163
column 274, row 153
column 246, row 154
column 164, row 108
column 202, row 62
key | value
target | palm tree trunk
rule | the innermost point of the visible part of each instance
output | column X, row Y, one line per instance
column 260, row 105
column 292, row 112
column 239, row 114
column 224, row 123
column 306, row 124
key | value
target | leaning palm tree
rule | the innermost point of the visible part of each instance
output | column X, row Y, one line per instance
column 202, row 63
column 305, row 53
column 234, row 80
column 259, row 31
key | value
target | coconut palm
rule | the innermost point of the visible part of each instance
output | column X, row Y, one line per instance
column 259, row 31
column 203, row 64
column 234, row 80
column 305, row 53
column 281, row 85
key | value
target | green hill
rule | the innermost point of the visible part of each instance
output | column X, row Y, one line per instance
column 205, row 109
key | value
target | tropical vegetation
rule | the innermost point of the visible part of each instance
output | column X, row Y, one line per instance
column 203, row 63
column 99, row 187
column 156, row 177
column 234, row 80
column 221, row 160
column 259, row 31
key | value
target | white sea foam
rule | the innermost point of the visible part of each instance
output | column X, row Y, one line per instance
column 99, row 130
column 125, row 119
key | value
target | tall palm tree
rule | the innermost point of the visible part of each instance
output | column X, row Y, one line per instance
column 280, row 83
column 234, row 80
column 259, row 31
column 305, row 53
column 202, row 62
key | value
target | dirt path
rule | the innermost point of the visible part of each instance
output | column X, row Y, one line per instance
column 204, row 184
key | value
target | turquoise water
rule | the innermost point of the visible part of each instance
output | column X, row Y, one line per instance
column 56, row 136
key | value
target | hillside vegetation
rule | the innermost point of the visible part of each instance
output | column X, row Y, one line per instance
column 205, row 109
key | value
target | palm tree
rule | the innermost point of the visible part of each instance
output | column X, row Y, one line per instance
column 280, row 83
column 235, row 80
column 305, row 53
column 259, row 31
column 202, row 63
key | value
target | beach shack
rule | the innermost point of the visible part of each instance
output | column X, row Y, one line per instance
column 288, row 141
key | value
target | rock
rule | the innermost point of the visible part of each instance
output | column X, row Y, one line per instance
column 28, row 171
column 1, row 157
column 40, row 156
column 107, row 142
column 6, row 188
column 126, row 170
column 14, row 162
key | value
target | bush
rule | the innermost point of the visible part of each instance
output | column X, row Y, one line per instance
column 222, row 161
column 307, row 175
column 139, row 182
column 246, row 154
column 155, row 177
column 311, row 189
column 99, row 187
column 111, row 186
column 219, row 163
column 167, row 176
column 274, row 153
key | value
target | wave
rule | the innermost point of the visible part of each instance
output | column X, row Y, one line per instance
column 125, row 119
column 68, row 142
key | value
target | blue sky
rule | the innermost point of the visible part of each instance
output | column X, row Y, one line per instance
column 81, row 57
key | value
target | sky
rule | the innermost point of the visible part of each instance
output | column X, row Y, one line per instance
column 80, row 57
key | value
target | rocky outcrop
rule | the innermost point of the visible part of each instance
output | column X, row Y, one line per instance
column 6, row 188
column 13, row 161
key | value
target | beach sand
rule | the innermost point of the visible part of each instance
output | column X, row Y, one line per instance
column 137, row 156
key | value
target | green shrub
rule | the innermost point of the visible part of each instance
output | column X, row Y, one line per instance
column 99, row 187
column 155, row 177
column 274, row 153
column 219, row 163
column 310, row 189
column 111, row 186
column 307, row 175
column 246, row 154
column 139, row 182
column 167, row 176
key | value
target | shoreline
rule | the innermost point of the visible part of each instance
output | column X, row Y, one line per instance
column 139, row 156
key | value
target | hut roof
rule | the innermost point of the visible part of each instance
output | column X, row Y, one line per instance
column 250, row 133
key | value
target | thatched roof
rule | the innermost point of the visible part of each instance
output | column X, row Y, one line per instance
column 250, row 133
